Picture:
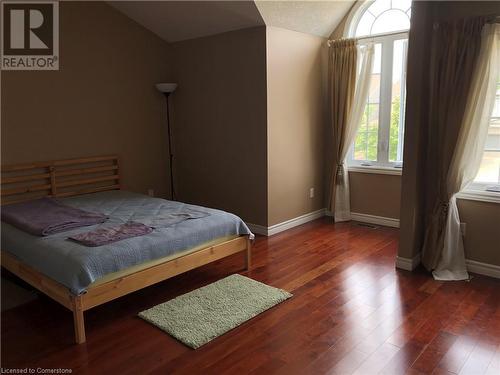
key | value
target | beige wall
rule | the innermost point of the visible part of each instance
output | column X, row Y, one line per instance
column 375, row 194
column 482, row 233
column 482, row 237
column 101, row 101
column 295, row 127
column 219, row 130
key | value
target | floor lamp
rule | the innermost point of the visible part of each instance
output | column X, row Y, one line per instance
column 167, row 89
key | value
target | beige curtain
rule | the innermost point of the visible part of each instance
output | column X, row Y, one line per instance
column 469, row 150
column 342, row 196
column 345, row 130
column 454, row 55
column 342, row 65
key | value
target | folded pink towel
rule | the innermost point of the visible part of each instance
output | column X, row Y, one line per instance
column 104, row 236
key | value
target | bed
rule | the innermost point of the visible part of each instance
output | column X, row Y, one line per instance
column 80, row 277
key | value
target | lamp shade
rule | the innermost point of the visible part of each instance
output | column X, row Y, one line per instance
column 166, row 87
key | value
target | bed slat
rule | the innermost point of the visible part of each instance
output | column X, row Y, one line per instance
column 88, row 191
column 73, row 172
column 92, row 159
column 11, row 180
column 87, row 181
column 22, row 190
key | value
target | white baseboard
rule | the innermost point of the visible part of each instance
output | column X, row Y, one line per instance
column 378, row 220
column 473, row 266
column 483, row 268
column 288, row 224
column 280, row 227
column 407, row 263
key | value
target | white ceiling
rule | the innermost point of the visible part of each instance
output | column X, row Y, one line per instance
column 310, row 17
column 180, row 20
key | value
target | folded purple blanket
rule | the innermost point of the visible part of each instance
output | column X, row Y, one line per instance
column 45, row 216
column 104, row 236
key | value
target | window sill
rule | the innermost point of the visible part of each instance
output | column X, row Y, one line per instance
column 375, row 170
column 479, row 195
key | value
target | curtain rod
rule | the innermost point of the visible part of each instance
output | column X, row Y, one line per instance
column 371, row 37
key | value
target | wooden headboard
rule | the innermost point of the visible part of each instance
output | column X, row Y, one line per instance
column 59, row 178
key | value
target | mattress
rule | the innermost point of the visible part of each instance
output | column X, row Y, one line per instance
column 77, row 266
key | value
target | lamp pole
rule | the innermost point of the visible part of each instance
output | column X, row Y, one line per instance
column 167, row 89
column 171, row 155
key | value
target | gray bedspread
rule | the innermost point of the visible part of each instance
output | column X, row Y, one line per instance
column 77, row 266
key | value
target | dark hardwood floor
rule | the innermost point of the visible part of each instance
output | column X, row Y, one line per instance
column 352, row 312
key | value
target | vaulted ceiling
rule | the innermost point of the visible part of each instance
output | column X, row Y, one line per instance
column 310, row 17
column 180, row 20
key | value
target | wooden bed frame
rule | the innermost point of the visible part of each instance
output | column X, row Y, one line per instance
column 63, row 178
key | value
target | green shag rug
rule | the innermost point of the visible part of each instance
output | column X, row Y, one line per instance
column 198, row 317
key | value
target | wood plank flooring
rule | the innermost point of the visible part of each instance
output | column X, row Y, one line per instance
column 352, row 313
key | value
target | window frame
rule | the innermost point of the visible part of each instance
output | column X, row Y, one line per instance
column 355, row 17
column 475, row 193
column 478, row 187
column 386, row 41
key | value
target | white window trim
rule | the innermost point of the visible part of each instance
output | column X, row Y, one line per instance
column 387, row 45
column 355, row 16
column 479, row 195
column 477, row 191
column 376, row 170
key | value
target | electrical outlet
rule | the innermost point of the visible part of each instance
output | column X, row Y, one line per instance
column 311, row 192
column 151, row 192
column 463, row 228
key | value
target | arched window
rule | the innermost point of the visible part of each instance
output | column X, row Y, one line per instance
column 379, row 141
column 381, row 16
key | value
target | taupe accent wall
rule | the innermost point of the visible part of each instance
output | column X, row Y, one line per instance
column 295, row 123
column 220, row 122
column 101, row 101
column 375, row 194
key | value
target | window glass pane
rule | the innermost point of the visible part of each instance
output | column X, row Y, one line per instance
column 366, row 142
column 398, row 94
column 379, row 6
column 392, row 20
column 365, row 24
column 489, row 171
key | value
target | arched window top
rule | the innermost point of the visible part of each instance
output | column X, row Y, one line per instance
column 380, row 17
